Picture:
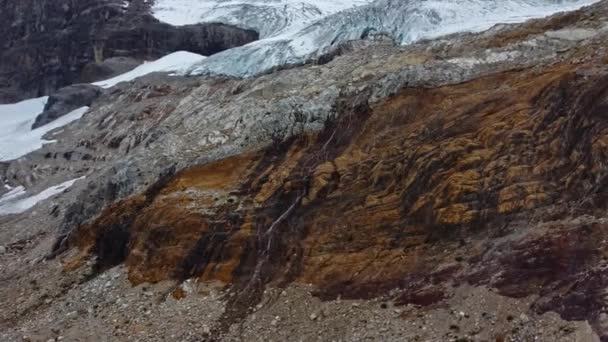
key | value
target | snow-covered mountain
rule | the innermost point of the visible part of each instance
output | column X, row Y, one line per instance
column 293, row 31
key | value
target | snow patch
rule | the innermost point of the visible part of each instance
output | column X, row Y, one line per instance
column 14, row 202
column 11, row 195
column 16, row 136
column 177, row 62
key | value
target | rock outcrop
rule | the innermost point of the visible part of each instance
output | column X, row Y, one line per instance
column 108, row 68
column 47, row 43
column 411, row 194
column 66, row 100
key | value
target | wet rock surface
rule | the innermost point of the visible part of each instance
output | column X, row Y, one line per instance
column 449, row 190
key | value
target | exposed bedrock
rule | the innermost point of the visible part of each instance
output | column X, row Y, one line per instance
column 47, row 43
column 414, row 192
column 393, row 173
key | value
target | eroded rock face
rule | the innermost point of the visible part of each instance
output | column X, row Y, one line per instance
column 48, row 43
column 410, row 193
column 400, row 173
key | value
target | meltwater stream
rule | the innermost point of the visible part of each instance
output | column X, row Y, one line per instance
column 294, row 31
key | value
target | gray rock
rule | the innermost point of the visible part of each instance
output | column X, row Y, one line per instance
column 107, row 69
column 66, row 100
column 603, row 321
column 575, row 35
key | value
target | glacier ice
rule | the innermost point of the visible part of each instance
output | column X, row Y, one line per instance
column 270, row 18
column 294, row 31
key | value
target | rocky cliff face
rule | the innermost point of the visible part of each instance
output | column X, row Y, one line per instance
column 48, row 43
column 452, row 189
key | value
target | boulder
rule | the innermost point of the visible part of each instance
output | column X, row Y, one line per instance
column 107, row 69
column 66, row 100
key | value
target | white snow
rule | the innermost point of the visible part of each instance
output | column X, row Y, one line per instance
column 293, row 31
column 177, row 62
column 11, row 195
column 15, row 201
column 442, row 17
column 16, row 136
column 13, row 115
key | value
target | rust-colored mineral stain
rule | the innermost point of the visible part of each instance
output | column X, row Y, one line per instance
column 178, row 293
column 383, row 204
column 224, row 174
column 167, row 233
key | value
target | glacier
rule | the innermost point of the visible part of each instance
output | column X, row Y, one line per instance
column 293, row 32
column 270, row 18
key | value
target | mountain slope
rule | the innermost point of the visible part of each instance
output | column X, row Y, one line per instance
column 452, row 189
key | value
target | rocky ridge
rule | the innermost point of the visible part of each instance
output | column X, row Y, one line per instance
column 451, row 189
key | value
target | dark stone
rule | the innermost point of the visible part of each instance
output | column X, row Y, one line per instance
column 111, row 245
column 66, row 100
column 107, row 69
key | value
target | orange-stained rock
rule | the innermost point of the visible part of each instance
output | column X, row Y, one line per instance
column 386, row 196
column 178, row 293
